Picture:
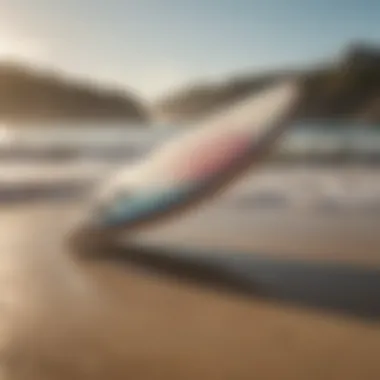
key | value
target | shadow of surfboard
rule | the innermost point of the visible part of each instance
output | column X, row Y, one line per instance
column 330, row 287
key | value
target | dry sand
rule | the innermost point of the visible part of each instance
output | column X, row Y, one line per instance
column 122, row 323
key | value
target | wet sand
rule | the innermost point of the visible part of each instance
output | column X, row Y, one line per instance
column 121, row 321
column 347, row 237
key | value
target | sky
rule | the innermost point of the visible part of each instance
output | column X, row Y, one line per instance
column 152, row 47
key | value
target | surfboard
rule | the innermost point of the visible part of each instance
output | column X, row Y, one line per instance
column 197, row 164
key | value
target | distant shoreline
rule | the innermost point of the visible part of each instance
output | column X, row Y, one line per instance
column 28, row 94
column 345, row 89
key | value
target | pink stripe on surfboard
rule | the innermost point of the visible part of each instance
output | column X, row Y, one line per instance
column 210, row 156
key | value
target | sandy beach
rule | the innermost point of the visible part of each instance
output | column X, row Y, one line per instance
column 115, row 114
column 121, row 321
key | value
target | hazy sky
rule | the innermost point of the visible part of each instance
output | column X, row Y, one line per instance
column 152, row 46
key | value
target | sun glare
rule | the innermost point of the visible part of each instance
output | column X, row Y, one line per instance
column 19, row 49
column 7, row 48
column 5, row 135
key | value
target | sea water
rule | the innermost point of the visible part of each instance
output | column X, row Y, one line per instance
column 320, row 167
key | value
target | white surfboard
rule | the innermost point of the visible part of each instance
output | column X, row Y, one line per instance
column 193, row 167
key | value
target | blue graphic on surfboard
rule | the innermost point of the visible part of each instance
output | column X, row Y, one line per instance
column 197, row 164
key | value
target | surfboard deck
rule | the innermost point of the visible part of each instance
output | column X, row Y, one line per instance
column 199, row 164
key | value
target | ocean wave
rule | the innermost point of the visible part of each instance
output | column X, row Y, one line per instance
column 321, row 190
